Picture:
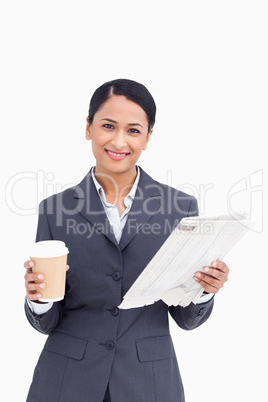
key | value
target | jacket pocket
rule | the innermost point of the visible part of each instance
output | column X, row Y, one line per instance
column 66, row 345
column 152, row 349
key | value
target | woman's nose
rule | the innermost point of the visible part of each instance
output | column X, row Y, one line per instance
column 119, row 140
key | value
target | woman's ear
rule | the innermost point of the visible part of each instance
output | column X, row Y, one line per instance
column 147, row 139
column 88, row 133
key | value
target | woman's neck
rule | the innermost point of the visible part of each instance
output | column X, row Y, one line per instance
column 114, row 184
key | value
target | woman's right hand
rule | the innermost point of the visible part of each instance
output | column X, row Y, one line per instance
column 33, row 289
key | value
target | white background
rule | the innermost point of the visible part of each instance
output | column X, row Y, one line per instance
column 205, row 62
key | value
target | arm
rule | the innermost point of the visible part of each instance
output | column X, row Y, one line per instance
column 192, row 316
column 212, row 280
column 47, row 321
column 44, row 323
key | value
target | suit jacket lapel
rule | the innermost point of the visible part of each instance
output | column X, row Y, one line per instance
column 91, row 208
column 146, row 203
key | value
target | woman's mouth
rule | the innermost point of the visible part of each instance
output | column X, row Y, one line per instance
column 116, row 156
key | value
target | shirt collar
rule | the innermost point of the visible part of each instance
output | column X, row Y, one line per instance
column 131, row 193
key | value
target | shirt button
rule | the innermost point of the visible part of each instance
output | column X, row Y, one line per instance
column 115, row 311
column 116, row 276
column 109, row 345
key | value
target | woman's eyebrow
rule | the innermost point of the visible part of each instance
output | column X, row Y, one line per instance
column 135, row 124
column 129, row 124
column 112, row 121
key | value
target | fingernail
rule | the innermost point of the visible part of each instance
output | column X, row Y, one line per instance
column 31, row 264
column 195, row 278
column 214, row 263
column 38, row 295
column 198, row 274
column 40, row 276
column 206, row 269
column 42, row 285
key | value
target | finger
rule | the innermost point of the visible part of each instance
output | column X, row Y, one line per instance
column 31, row 276
column 221, row 266
column 67, row 267
column 28, row 264
column 33, row 296
column 208, row 287
column 209, row 283
column 216, row 273
column 210, row 280
column 30, row 287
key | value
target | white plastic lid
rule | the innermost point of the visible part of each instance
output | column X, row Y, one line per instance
column 49, row 249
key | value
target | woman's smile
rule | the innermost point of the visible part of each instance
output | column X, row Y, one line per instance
column 116, row 156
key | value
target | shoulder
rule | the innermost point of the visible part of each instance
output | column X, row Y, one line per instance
column 178, row 193
column 173, row 198
column 64, row 195
column 180, row 200
column 70, row 196
column 147, row 181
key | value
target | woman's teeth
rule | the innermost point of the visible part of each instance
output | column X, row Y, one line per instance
column 113, row 153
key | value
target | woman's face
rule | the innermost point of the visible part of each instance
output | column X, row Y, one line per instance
column 119, row 133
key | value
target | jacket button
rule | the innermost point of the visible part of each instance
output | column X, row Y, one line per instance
column 116, row 276
column 201, row 312
column 115, row 311
column 109, row 345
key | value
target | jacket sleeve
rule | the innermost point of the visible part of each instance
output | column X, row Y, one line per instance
column 44, row 323
column 192, row 316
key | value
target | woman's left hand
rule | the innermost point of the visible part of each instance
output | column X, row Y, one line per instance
column 213, row 278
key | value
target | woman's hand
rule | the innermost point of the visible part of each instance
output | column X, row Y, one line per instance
column 33, row 289
column 213, row 278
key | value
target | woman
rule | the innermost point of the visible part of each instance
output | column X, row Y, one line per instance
column 96, row 352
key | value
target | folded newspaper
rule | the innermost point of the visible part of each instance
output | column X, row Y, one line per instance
column 193, row 244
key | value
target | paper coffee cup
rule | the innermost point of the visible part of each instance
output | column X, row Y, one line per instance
column 50, row 259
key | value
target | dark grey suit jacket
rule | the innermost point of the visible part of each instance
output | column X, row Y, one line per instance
column 91, row 342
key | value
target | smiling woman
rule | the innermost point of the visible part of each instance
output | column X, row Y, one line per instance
column 113, row 223
column 117, row 146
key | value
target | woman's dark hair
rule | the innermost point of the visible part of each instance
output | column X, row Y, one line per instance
column 132, row 90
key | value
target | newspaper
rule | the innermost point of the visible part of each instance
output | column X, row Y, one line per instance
column 193, row 244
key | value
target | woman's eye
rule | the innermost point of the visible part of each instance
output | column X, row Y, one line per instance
column 134, row 131
column 109, row 126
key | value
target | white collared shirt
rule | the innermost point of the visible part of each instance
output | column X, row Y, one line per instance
column 117, row 222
